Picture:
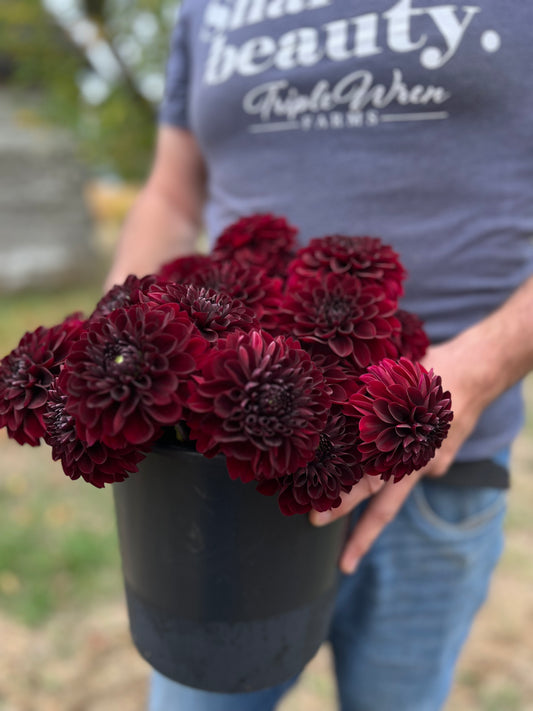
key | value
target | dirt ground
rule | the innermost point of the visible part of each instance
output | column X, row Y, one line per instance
column 88, row 663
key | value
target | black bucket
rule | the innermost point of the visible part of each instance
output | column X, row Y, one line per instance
column 224, row 593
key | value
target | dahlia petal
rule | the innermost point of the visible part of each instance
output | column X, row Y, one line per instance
column 400, row 413
column 183, row 363
column 378, row 390
column 138, row 431
column 326, row 504
column 268, row 487
column 301, row 495
column 98, row 454
column 415, row 396
column 225, row 405
column 361, row 354
column 240, row 469
column 118, row 393
column 38, row 396
column 386, row 441
column 289, row 506
column 168, row 414
column 162, row 389
column 341, row 346
column 386, row 410
column 33, row 424
column 370, row 427
column 365, row 329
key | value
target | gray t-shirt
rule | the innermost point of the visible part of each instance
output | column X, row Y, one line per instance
column 410, row 120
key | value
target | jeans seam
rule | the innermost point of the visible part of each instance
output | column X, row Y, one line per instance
column 468, row 526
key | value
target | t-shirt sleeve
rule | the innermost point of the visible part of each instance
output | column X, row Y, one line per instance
column 173, row 109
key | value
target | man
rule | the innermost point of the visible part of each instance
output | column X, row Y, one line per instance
column 409, row 120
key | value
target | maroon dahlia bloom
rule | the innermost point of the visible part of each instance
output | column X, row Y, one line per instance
column 26, row 375
column 97, row 464
column 404, row 417
column 123, row 295
column 180, row 269
column 127, row 376
column 365, row 257
column 264, row 241
column 338, row 314
column 262, row 402
column 215, row 314
column 411, row 340
column 334, row 469
column 251, row 285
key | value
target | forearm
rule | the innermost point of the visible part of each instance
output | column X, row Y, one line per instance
column 155, row 231
column 499, row 349
column 167, row 216
column 481, row 363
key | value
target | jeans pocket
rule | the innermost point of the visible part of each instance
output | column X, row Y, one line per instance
column 457, row 510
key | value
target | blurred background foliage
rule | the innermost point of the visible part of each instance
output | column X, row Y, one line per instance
column 97, row 68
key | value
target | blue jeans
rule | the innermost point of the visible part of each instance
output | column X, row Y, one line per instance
column 402, row 618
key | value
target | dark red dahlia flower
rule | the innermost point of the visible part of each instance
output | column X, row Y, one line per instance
column 338, row 314
column 262, row 402
column 97, row 464
column 250, row 285
column 123, row 295
column 26, row 375
column 127, row 376
column 264, row 241
column 365, row 257
column 334, row 469
column 214, row 313
column 404, row 417
column 180, row 269
column 411, row 340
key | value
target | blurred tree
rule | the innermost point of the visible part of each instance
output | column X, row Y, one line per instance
column 95, row 9
column 98, row 66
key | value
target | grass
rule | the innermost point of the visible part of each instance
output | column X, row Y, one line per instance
column 58, row 544
column 57, row 547
column 27, row 310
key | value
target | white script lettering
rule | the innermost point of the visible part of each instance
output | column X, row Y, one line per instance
column 356, row 91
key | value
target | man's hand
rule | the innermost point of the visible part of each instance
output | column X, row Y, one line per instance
column 387, row 499
column 451, row 361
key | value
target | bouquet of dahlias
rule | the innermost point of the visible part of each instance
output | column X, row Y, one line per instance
column 295, row 364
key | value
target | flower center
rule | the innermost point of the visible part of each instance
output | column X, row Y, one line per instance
column 324, row 449
column 274, row 400
column 415, row 434
column 335, row 310
column 57, row 419
column 211, row 305
column 19, row 365
column 267, row 410
column 124, row 359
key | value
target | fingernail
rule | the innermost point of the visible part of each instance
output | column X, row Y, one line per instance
column 349, row 566
column 320, row 518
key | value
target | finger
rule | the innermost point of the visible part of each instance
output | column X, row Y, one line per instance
column 440, row 464
column 367, row 486
column 379, row 512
